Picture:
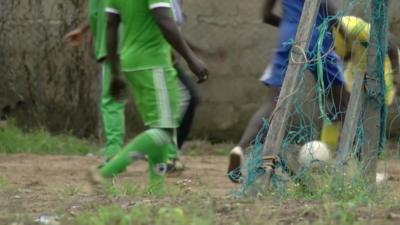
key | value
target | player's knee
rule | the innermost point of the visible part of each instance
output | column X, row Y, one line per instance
column 160, row 135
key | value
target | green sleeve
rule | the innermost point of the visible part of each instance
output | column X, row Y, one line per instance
column 159, row 3
column 113, row 6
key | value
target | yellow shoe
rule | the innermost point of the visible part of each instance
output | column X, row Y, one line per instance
column 330, row 134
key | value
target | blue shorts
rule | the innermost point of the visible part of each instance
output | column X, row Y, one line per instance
column 333, row 72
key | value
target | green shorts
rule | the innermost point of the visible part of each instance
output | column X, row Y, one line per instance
column 159, row 96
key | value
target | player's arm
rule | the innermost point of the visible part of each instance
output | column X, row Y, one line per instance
column 75, row 36
column 113, row 22
column 172, row 34
column 268, row 16
column 118, row 86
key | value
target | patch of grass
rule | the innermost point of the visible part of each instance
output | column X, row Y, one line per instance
column 114, row 215
column 347, row 213
column 16, row 219
column 152, row 212
column 200, row 148
column 347, row 202
column 176, row 207
column 328, row 187
column 116, row 188
column 68, row 191
column 3, row 183
column 323, row 183
column 331, row 214
column 14, row 140
column 323, row 197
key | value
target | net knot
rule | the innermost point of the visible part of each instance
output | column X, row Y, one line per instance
column 269, row 162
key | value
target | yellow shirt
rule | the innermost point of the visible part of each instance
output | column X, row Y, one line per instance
column 357, row 36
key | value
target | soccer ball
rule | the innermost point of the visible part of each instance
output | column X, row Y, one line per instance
column 314, row 151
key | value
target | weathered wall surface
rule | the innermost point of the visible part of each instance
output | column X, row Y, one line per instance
column 233, row 91
column 42, row 83
column 45, row 83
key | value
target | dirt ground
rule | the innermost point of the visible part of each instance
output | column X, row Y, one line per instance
column 37, row 184
column 38, row 181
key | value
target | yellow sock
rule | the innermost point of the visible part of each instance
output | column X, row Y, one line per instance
column 330, row 134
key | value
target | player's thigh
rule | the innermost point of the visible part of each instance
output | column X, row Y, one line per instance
column 178, row 93
column 159, row 96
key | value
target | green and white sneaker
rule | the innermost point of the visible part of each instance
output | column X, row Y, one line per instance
column 175, row 166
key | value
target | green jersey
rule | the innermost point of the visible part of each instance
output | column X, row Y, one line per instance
column 98, row 26
column 143, row 44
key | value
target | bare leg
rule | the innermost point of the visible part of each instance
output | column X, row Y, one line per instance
column 256, row 121
column 194, row 100
column 252, row 129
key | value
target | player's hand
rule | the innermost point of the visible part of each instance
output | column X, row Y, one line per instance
column 75, row 37
column 199, row 68
column 118, row 89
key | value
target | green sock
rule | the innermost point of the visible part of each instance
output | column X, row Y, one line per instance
column 157, row 169
column 152, row 142
column 113, row 117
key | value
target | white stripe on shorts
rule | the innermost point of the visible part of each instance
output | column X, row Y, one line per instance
column 160, row 5
column 163, row 98
column 111, row 10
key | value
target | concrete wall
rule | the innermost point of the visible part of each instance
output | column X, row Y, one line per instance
column 233, row 91
column 44, row 83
